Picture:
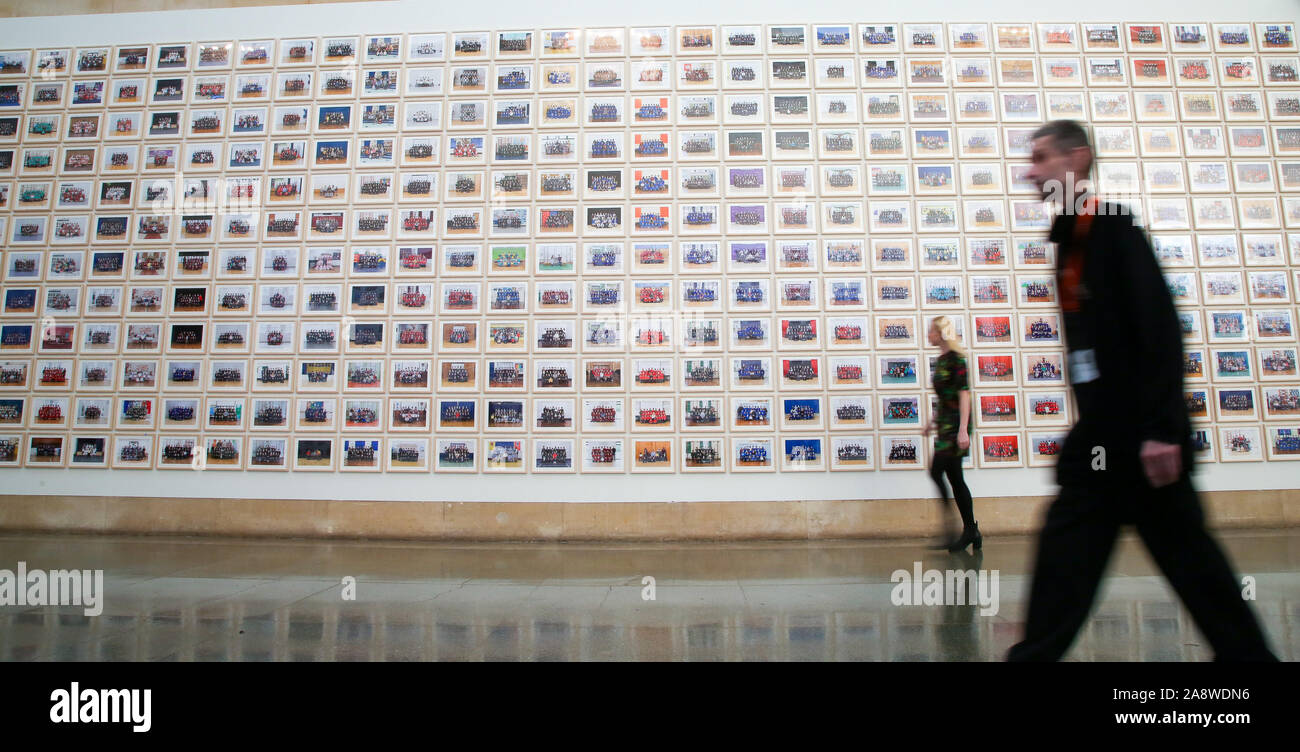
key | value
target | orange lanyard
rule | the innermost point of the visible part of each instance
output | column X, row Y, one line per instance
column 1070, row 282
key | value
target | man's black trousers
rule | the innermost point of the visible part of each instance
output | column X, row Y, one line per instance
column 1076, row 543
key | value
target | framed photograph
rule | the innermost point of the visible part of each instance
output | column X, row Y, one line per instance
column 1283, row 442
column 752, row 454
column 902, row 452
column 1040, row 329
column 703, row 454
column 1240, row 444
column 1236, row 403
column 1000, row 450
column 1231, row 364
column 46, row 451
column 1273, row 324
column 1281, row 402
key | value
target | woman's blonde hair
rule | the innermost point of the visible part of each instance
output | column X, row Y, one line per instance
column 948, row 332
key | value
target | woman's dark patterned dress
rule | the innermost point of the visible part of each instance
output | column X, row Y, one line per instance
column 950, row 380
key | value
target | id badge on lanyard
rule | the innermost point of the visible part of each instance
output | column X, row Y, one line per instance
column 1083, row 360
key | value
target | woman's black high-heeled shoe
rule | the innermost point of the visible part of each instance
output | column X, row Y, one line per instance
column 969, row 536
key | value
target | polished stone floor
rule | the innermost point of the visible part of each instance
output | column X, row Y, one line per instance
column 202, row 599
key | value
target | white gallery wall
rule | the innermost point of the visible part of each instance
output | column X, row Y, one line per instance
column 680, row 485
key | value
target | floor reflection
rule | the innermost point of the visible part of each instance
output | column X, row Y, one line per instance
column 187, row 599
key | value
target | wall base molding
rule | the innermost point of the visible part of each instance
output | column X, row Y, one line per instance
column 586, row 521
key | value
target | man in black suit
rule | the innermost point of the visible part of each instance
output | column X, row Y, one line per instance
column 1128, row 459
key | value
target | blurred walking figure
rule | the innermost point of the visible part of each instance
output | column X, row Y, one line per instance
column 951, row 428
column 1128, row 458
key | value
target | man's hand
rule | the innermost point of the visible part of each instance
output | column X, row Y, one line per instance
column 1161, row 462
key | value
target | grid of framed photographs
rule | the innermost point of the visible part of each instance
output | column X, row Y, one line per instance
column 709, row 248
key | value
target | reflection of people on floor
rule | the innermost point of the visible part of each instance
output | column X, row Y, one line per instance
column 957, row 633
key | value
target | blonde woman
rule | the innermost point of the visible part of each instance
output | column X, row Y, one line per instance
column 951, row 427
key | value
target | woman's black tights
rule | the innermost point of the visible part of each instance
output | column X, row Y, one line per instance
column 946, row 464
